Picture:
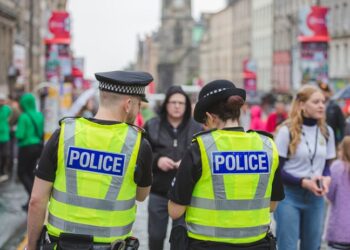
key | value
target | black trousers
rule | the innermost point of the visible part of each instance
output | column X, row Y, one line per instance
column 263, row 244
column 4, row 156
column 28, row 157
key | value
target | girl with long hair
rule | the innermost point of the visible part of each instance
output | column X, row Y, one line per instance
column 338, row 227
column 306, row 147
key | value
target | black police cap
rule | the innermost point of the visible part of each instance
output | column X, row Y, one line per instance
column 124, row 82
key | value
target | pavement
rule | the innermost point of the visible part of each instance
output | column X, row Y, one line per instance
column 140, row 226
column 12, row 217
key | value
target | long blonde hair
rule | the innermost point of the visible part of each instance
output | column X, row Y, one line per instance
column 295, row 120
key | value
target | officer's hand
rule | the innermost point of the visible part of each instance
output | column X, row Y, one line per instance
column 166, row 164
column 312, row 186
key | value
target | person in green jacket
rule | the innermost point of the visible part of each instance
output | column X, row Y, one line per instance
column 29, row 134
column 5, row 114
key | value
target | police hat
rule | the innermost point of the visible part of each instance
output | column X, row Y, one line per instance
column 212, row 93
column 124, row 82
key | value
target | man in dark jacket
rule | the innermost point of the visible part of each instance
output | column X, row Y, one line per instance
column 334, row 116
column 169, row 134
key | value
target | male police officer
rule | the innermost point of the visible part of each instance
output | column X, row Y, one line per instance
column 92, row 170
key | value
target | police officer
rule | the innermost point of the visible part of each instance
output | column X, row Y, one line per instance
column 228, row 182
column 92, row 170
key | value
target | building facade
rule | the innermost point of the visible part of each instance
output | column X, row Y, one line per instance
column 148, row 54
column 226, row 43
column 178, row 57
column 242, row 37
column 339, row 46
column 216, row 49
column 8, row 19
column 262, row 42
column 22, row 30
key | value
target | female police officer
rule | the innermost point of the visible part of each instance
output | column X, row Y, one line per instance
column 228, row 182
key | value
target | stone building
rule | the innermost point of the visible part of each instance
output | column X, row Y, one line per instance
column 148, row 55
column 7, row 31
column 286, row 74
column 339, row 46
column 262, row 41
column 22, row 30
column 178, row 57
column 216, row 49
column 226, row 42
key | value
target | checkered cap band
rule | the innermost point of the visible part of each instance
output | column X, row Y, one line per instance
column 214, row 92
column 123, row 89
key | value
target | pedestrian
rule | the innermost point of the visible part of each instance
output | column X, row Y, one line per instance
column 275, row 118
column 338, row 227
column 5, row 114
column 16, row 112
column 334, row 115
column 256, row 122
column 29, row 135
column 93, row 169
column 306, row 147
column 228, row 181
column 169, row 134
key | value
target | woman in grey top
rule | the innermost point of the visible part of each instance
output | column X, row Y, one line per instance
column 306, row 145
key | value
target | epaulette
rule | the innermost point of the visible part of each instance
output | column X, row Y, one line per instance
column 194, row 137
column 66, row 118
column 137, row 128
column 261, row 132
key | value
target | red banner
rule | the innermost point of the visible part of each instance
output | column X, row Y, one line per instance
column 249, row 75
column 313, row 24
column 59, row 27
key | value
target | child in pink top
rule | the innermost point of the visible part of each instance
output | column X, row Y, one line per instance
column 338, row 227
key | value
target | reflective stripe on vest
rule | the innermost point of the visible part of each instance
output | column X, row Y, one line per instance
column 218, row 204
column 222, row 232
column 109, row 204
column 96, row 231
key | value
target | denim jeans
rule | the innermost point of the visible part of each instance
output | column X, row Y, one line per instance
column 299, row 216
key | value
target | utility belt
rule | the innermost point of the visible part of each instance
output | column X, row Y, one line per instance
column 342, row 246
column 179, row 240
column 67, row 241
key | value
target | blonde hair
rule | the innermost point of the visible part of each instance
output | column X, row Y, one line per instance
column 295, row 120
column 344, row 148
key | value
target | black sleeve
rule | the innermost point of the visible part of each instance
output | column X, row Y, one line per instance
column 143, row 172
column 340, row 123
column 188, row 174
column 47, row 166
column 277, row 193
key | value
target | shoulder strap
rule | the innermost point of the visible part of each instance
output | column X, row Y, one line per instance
column 261, row 132
column 35, row 127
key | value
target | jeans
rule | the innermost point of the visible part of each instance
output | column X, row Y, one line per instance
column 158, row 221
column 299, row 216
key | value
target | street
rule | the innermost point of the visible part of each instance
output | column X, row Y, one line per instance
column 12, row 217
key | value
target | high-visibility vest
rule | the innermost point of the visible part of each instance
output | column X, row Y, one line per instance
column 231, row 201
column 94, row 190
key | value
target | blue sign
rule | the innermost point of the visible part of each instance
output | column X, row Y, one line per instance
column 241, row 162
column 96, row 161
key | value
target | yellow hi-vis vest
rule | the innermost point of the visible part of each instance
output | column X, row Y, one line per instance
column 94, row 190
column 231, row 201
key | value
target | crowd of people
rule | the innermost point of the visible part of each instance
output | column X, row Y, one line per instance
column 217, row 170
column 21, row 139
